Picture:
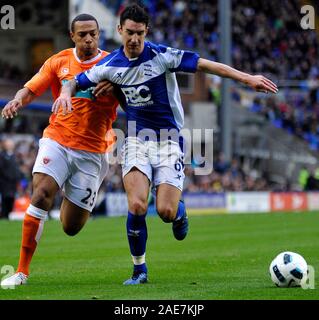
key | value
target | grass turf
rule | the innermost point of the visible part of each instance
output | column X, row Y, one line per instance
column 223, row 257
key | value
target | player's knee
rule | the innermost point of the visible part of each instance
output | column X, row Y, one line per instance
column 138, row 206
column 166, row 212
column 42, row 197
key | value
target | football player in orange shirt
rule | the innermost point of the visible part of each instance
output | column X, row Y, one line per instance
column 72, row 150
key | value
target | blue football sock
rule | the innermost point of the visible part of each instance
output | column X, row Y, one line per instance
column 137, row 237
column 180, row 211
column 139, row 268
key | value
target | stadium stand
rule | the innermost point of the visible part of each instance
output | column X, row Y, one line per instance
column 285, row 52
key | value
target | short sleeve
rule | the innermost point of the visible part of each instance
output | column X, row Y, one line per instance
column 180, row 60
column 42, row 80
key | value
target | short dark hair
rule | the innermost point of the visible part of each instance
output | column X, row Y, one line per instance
column 83, row 17
column 136, row 13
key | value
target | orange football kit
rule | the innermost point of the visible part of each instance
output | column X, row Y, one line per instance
column 85, row 128
column 72, row 149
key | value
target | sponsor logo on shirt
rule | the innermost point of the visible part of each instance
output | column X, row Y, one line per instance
column 138, row 96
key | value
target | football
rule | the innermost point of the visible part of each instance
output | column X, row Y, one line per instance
column 288, row 269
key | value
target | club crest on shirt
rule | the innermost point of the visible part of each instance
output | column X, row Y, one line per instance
column 46, row 160
column 148, row 70
column 65, row 70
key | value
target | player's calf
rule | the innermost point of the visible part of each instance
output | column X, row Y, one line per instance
column 71, row 231
column 73, row 217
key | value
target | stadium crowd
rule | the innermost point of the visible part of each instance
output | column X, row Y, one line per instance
column 267, row 30
column 279, row 49
column 297, row 113
column 226, row 176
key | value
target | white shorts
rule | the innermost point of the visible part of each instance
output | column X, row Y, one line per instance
column 80, row 173
column 161, row 161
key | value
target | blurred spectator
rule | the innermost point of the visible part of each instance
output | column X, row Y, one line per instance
column 10, row 175
column 21, row 202
column 214, row 89
column 312, row 183
column 303, row 178
column 236, row 170
column 220, row 164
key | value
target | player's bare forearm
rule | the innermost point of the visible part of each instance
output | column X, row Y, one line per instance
column 221, row 70
column 25, row 96
column 257, row 82
column 68, row 89
column 21, row 99
column 64, row 100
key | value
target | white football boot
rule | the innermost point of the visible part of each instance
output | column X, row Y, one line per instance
column 17, row 279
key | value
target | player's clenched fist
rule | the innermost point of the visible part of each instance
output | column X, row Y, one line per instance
column 11, row 109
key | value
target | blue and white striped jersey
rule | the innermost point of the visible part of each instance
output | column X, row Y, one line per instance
column 148, row 83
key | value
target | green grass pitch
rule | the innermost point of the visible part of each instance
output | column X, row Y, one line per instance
column 224, row 257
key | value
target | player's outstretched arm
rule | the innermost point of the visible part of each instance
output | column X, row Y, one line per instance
column 22, row 98
column 258, row 83
column 64, row 100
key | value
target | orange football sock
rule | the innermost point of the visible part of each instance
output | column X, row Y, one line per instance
column 31, row 233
